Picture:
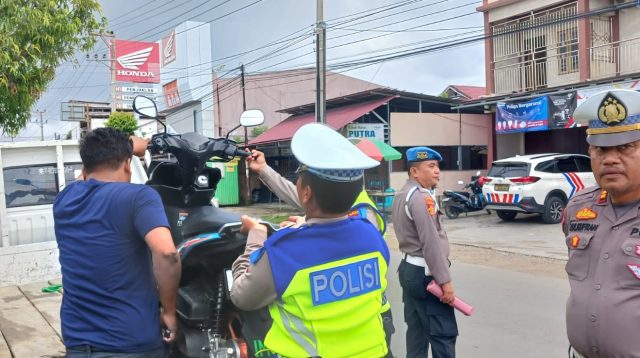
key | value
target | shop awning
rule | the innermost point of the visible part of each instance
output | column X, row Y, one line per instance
column 336, row 119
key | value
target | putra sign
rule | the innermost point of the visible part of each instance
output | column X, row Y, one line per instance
column 366, row 130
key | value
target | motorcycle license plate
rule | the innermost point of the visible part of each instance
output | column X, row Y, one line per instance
column 501, row 187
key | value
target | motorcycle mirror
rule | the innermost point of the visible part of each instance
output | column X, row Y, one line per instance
column 145, row 106
column 460, row 182
column 251, row 118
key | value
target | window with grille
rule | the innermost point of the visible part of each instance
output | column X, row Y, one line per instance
column 568, row 51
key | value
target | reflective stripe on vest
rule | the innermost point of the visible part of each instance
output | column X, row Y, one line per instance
column 363, row 198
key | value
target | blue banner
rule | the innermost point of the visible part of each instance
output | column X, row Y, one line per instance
column 523, row 116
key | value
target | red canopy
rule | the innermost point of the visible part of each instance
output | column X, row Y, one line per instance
column 336, row 119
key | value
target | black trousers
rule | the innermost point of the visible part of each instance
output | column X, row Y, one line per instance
column 429, row 321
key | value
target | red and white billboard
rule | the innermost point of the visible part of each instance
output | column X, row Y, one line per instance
column 169, row 48
column 171, row 94
column 137, row 61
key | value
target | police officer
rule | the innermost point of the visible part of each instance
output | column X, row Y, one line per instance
column 323, row 281
column 602, row 231
column 363, row 206
column 425, row 252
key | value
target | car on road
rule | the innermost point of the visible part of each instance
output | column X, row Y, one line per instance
column 537, row 183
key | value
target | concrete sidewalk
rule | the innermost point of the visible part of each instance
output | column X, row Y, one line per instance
column 30, row 322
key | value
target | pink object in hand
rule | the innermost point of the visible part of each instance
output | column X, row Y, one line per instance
column 458, row 304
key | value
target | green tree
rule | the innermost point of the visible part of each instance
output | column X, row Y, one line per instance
column 37, row 36
column 124, row 121
column 256, row 131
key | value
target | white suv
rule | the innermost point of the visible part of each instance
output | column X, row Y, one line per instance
column 538, row 183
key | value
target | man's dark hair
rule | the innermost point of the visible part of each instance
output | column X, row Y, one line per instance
column 411, row 165
column 332, row 197
column 105, row 148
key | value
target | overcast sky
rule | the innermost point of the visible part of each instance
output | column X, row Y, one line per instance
column 265, row 21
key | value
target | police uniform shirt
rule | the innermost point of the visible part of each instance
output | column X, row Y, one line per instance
column 423, row 236
column 603, row 309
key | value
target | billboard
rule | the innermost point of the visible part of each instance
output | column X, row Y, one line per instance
column 171, row 94
column 522, row 116
column 561, row 107
column 169, row 48
column 137, row 61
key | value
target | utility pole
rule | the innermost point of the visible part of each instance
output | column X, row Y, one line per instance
column 321, row 63
column 109, row 38
column 41, row 123
column 244, row 102
column 243, row 169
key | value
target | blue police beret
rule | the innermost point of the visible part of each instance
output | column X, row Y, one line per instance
column 419, row 154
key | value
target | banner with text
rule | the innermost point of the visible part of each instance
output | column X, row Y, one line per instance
column 561, row 107
column 522, row 116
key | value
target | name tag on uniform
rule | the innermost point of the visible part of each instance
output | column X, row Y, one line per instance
column 343, row 282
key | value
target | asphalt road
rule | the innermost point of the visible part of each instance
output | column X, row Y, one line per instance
column 515, row 314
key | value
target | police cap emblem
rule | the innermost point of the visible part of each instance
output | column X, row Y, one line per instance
column 612, row 110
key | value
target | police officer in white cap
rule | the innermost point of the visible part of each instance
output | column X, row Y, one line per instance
column 323, row 281
column 602, row 228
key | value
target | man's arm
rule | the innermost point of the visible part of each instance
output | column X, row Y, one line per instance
column 280, row 186
column 167, row 271
column 253, row 285
column 431, row 248
column 139, row 145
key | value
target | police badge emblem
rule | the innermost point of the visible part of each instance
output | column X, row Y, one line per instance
column 612, row 111
column 586, row 214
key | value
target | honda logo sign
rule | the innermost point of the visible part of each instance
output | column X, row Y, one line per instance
column 169, row 48
column 137, row 61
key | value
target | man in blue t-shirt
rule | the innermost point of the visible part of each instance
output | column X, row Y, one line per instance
column 119, row 263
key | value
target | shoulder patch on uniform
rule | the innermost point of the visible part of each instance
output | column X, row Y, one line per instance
column 256, row 255
column 431, row 205
column 586, row 214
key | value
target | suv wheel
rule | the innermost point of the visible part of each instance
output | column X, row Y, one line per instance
column 506, row 215
column 553, row 210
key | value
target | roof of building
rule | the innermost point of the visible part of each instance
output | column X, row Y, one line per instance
column 369, row 95
column 471, row 92
column 337, row 118
column 492, row 100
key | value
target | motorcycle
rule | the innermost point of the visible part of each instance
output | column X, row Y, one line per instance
column 456, row 202
column 208, row 240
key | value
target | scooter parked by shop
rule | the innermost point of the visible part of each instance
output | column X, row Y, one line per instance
column 457, row 202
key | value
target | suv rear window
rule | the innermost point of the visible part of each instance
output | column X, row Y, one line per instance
column 509, row 170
